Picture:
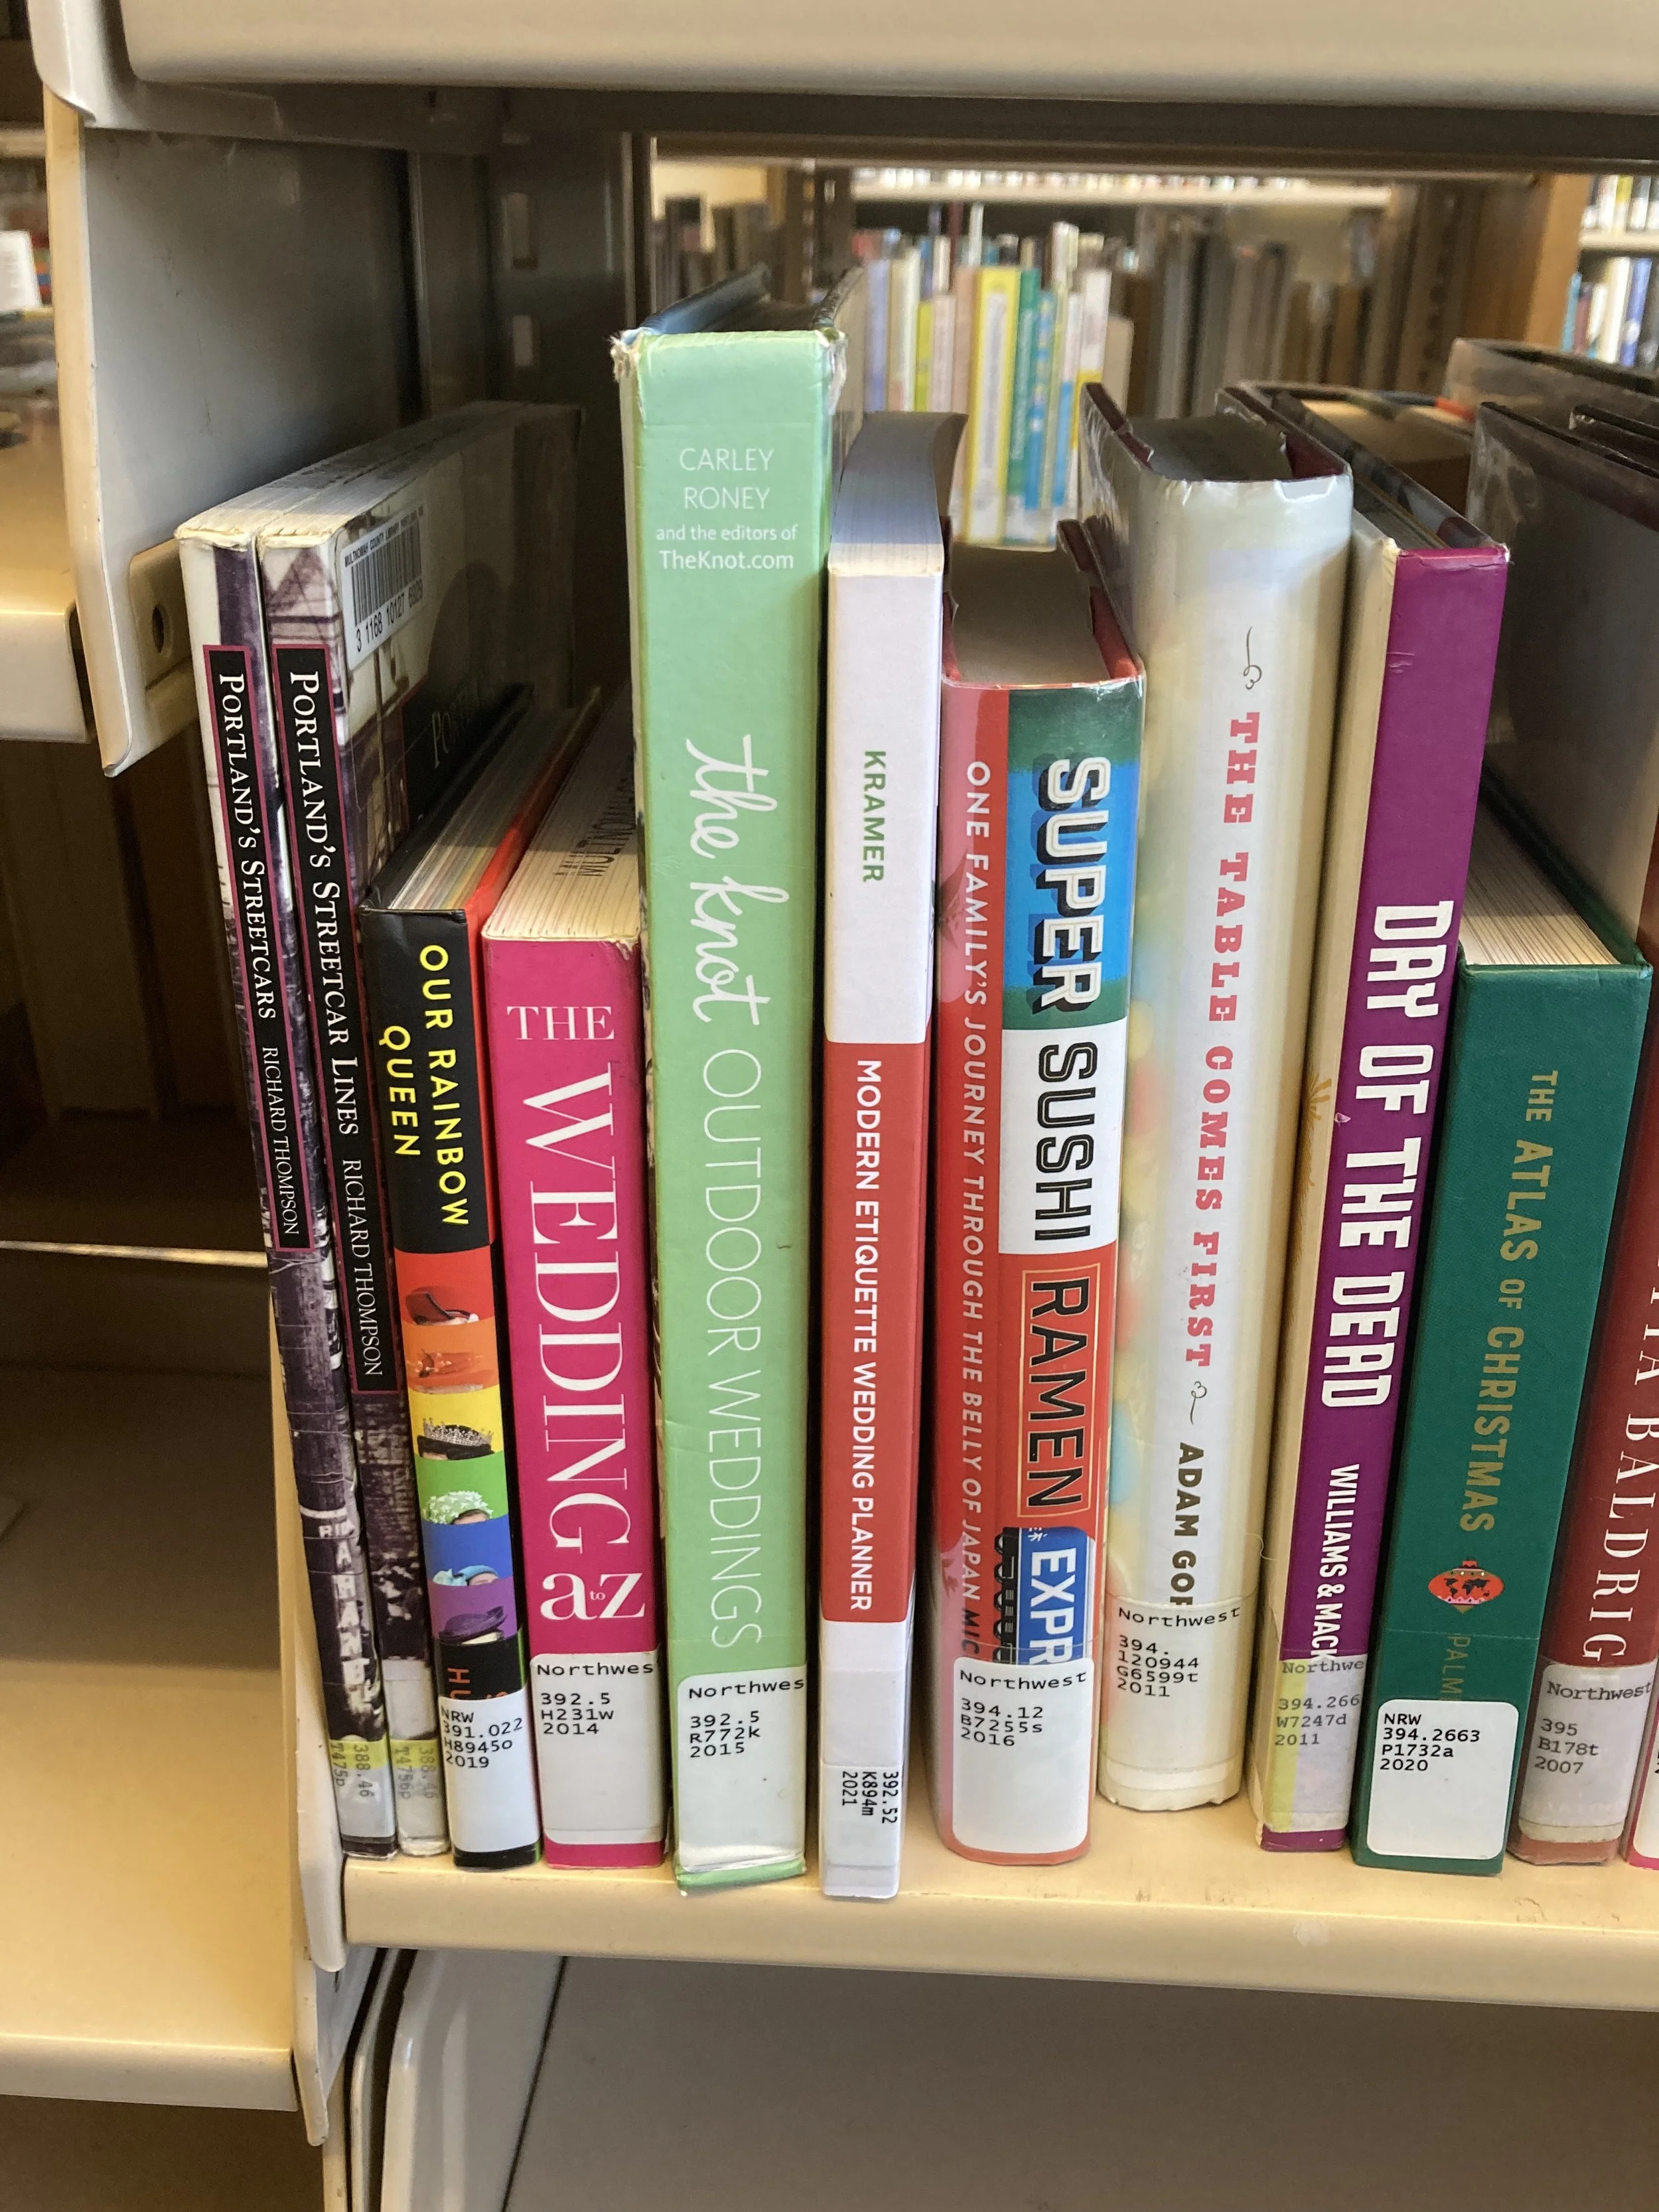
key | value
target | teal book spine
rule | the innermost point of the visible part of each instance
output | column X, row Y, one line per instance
column 1540, row 1077
column 728, row 453
column 1019, row 405
column 1043, row 399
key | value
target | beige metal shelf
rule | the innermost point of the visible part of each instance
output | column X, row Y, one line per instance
column 1304, row 49
column 1178, row 1898
column 145, row 1911
column 1620, row 242
column 1089, row 188
column 39, row 687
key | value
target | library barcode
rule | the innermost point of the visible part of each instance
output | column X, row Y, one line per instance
column 384, row 578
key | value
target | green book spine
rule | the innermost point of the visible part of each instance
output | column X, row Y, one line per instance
column 727, row 441
column 1539, row 1075
column 1025, row 332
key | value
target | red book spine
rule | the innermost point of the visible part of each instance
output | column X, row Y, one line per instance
column 1601, row 1633
column 567, row 1078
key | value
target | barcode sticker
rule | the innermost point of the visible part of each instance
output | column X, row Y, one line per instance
column 384, row 582
column 1440, row 1778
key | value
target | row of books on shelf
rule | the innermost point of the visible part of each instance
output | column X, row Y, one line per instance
column 1613, row 312
column 1006, row 332
column 1621, row 204
column 1185, row 1113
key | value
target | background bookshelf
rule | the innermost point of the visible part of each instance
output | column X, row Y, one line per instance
column 468, row 198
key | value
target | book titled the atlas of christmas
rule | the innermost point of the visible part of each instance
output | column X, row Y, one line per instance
column 1546, row 1030
column 1039, row 792
column 566, row 1065
column 730, row 440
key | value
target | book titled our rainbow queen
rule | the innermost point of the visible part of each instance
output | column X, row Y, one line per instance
column 566, row 1066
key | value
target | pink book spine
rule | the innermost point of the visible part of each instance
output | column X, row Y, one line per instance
column 567, row 1072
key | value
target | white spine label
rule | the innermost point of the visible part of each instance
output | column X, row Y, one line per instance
column 740, row 1770
column 1172, row 1679
column 490, row 1771
column 1583, row 1752
column 1315, row 1738
column 599, row 1745
column 1440, row 1778
column 1021, row 1753
column 860, row 1824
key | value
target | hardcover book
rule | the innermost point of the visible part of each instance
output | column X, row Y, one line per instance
column 1546, row 1031
column 402, row 607
column 1426, row 592
column 730, row 440
column 422, row 927
column 567, row 1072
column 1573, row 743
column 1225, row 547
column 881, row 813
column 1039, row 787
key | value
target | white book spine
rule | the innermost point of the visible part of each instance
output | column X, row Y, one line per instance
column 1234, row 599
column 988, row 422
column 942, row 374
column 881, row 780
column 878, row 280
column 904, row 299
column 1611, row 334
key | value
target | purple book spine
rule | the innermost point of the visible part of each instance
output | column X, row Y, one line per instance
column 1437, row 688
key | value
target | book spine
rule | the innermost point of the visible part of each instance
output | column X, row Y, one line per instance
column 1600, row 1640
column 878, row 291
column 1236, row 615
column 308, row 706
column 881, row 786
column 1063, row 421
column 567, row 1090
column 905, row 296
column 1541, row 1066
column 1038, row 811
column 995, row 324
column 1033, row 496
column 727, row 718
column 1367, row 1122
column 427, row 1042
column 1019, row 399
column 1640, row 1834
column 924, row 342
column 257, row 893
column 942, row 367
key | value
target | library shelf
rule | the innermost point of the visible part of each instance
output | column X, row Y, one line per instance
column 1181, row 1898
column 1301, row 51
column 1620, row 242
column 1087, row 188
column 145, row 1915
column 39, row 687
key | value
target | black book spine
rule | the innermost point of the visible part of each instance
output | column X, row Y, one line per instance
column 429, row 1081
column 257, row 893
column 325, row 877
